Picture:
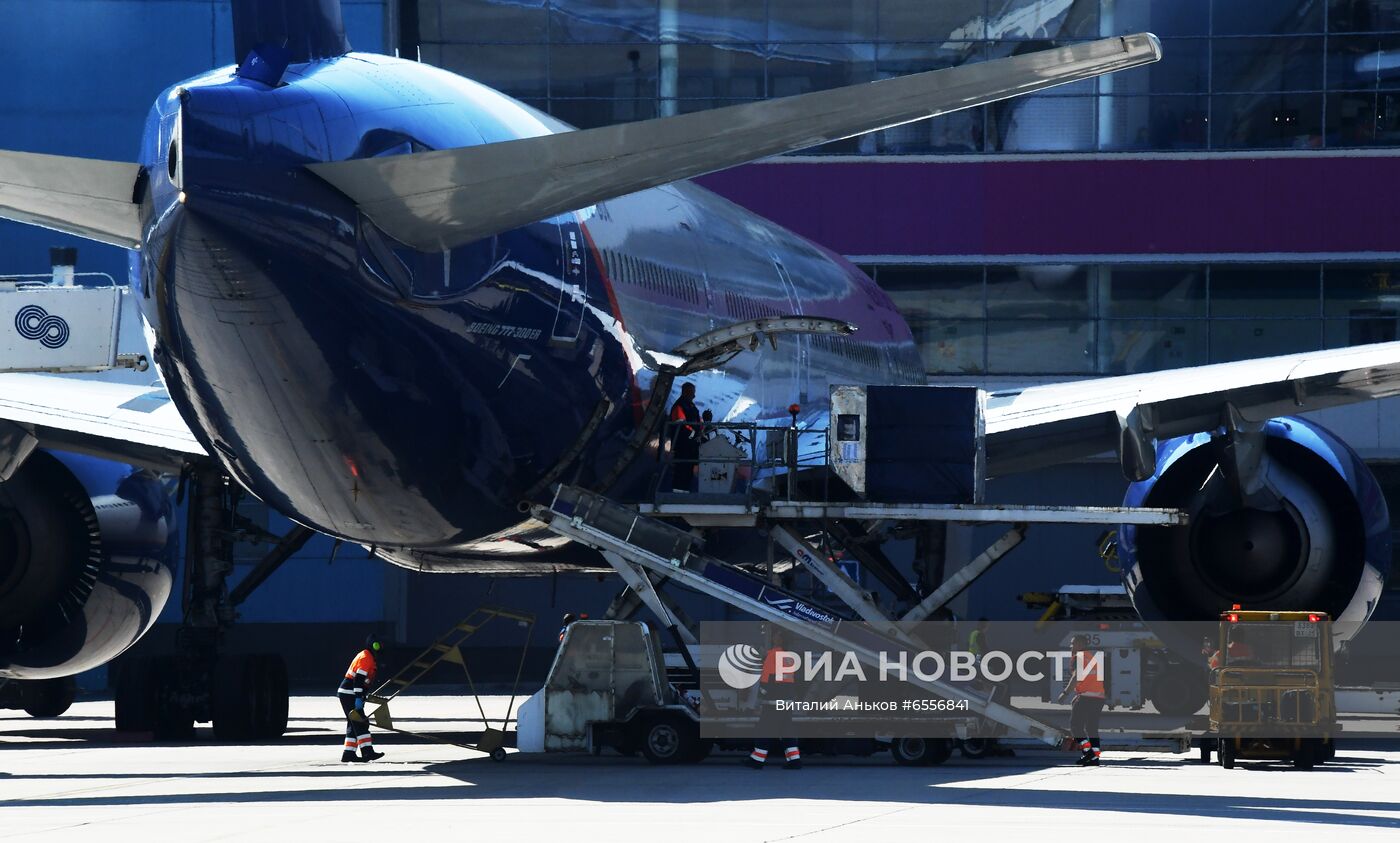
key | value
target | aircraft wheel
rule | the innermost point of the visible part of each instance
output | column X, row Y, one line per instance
column 48, row 697
column 173, row 721
column 135, row 696
column 233, row 698
column 269, row 674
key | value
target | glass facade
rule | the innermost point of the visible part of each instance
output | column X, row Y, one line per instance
column 1280, row 74
column 1116, row 319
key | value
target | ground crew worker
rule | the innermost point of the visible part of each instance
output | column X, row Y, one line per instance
column 977, row 646
column 977, row 641
column 1236, row 651
column 775, row 684
column 685, row 440
column 1086, row 680
column 359, row 678
column 568, row 619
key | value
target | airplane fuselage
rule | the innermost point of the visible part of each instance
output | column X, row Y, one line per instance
column 410, row 400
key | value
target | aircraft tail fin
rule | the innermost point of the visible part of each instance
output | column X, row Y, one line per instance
column 92, row 199
column 299, row 30
column 445, row 198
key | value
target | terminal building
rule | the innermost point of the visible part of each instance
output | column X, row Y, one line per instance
column 1228, row 202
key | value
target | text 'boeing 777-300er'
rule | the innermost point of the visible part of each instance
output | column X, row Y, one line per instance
column 394, row 304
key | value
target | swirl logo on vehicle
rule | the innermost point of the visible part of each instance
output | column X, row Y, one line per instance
column 35, row 323
column 740, row 666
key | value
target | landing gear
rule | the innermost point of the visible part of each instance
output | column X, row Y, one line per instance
column 38, row 697
column 250, row 698
column 245, row 696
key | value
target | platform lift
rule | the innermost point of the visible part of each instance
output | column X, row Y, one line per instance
column 65, row 321
column 646, row 553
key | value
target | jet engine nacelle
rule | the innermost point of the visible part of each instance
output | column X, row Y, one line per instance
column 85, row 563
column 1313, row 536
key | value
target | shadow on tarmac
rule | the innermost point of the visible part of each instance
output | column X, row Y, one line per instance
column 612, row 779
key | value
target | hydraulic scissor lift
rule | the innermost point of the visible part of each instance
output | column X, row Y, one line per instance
column 647, row 552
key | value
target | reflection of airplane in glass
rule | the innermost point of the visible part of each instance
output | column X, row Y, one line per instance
column 395, row 304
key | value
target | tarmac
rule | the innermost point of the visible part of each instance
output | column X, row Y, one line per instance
column 75, row 777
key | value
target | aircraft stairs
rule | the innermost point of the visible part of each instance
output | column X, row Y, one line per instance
column 448, row 648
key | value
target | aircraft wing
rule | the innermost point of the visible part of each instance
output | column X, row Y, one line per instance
column 445, row 198
column 1062, row 422
column 92, row 199
column 134, row 423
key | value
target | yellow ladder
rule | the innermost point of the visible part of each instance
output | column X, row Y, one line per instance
column 448, row 648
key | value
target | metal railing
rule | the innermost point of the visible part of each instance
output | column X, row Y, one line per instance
column 1245, row 697
column 763, row 461
column 46, row 279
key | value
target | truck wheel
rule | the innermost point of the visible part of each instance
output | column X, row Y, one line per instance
column 667, row 740
column 1227, row 753
column 1205, row 750
column 1305, row 756
column 48, row 697
column 921, row 752
column 974, row 748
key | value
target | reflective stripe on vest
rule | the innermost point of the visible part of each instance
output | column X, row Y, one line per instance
column 1088, row 682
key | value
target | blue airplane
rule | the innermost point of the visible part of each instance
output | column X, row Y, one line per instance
column 395, row 305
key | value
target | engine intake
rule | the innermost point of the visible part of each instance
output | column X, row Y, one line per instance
column 1319, row 540
column 84, row 563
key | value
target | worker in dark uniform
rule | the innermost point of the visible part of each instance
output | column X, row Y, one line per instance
column 359, row 679
column 685, row 440
column 569, row 618
column 775, row 684
column 1089, row 698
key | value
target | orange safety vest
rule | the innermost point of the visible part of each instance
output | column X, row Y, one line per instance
column 1091, row 684
column 770, row 669
column 679, row 414
column 363, row 664
column 1236, row 650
